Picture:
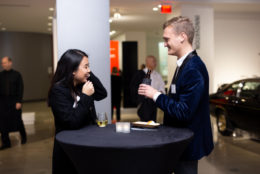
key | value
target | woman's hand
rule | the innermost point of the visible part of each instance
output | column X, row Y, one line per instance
column 88, row 88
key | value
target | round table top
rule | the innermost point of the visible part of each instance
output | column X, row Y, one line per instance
column 107, row 137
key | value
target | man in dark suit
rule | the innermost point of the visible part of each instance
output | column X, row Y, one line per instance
column 187, row 104
column 11, row 94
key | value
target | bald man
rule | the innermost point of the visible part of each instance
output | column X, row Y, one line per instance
column 147, row 109
column 11, row 94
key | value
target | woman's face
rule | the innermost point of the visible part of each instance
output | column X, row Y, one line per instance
column 82, row 73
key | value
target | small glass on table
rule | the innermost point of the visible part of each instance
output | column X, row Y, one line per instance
column 102, row 119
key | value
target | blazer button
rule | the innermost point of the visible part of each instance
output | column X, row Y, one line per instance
column 90, row 108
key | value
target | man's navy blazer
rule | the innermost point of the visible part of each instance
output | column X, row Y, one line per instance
column 189, row 106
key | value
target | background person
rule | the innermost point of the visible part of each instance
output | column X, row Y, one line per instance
column 71, row 97
column 187, row 104
column 116, row 87
column 11, row 95
column 147, row 109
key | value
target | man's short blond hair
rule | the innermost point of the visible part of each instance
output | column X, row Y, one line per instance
column 181, row 24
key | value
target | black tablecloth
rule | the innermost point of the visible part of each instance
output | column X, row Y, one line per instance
column 102, row 150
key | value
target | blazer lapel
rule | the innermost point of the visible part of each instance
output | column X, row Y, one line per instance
column 179, row 69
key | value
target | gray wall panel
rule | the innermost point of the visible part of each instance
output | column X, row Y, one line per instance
column 32, row 55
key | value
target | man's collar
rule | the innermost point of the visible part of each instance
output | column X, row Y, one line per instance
column 146, row 70
column 180, row 60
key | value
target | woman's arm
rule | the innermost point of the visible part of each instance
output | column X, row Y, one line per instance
column 100, row 91
column 67, row 116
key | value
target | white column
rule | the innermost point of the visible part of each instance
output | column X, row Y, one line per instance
column 84, row 25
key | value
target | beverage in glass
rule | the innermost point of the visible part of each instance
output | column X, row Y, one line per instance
column 102, row 119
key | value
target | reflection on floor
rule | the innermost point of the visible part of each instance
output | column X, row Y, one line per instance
column 231, row 155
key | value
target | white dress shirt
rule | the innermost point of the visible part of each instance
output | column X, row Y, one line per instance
column 157, row 81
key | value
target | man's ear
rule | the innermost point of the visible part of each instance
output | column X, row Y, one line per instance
column 183, row 37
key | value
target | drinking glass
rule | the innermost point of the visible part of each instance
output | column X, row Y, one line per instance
column 102, row 119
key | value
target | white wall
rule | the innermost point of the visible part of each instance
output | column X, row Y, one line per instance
column 237, row 46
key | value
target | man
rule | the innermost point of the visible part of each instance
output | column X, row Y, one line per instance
column 187, row 104
column 147, row 109
column 11, row 93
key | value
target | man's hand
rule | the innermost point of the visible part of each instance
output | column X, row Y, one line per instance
column 18, row 106
column 146, row 90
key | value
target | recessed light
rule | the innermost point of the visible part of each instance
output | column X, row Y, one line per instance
column 49, row 24
column 159, row 6
column 155, row 9
column 49, row 29
column 3, row 28
column 112, row 32
column 51, row 9
column 110, row 20
column 50, row 17
column 117, row 15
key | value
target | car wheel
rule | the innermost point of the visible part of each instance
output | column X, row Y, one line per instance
column 224, row 126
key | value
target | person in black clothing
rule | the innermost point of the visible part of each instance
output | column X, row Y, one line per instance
column 71, row 97
column 116, row 86
column 11, row 94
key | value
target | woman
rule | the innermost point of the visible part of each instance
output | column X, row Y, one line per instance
column 71, row 97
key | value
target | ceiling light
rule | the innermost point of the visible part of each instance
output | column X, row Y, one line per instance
column 50, row 17
column 49, row 24
column 159, row 6
column 155, row 9
column 117, row 15
column 51, row 9
column 110, row 20
column 3, row 28
column 112, row 32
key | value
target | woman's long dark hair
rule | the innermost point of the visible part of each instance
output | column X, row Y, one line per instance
column 68, row 63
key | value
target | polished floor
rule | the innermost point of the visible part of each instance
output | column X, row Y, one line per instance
column 231, row 155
